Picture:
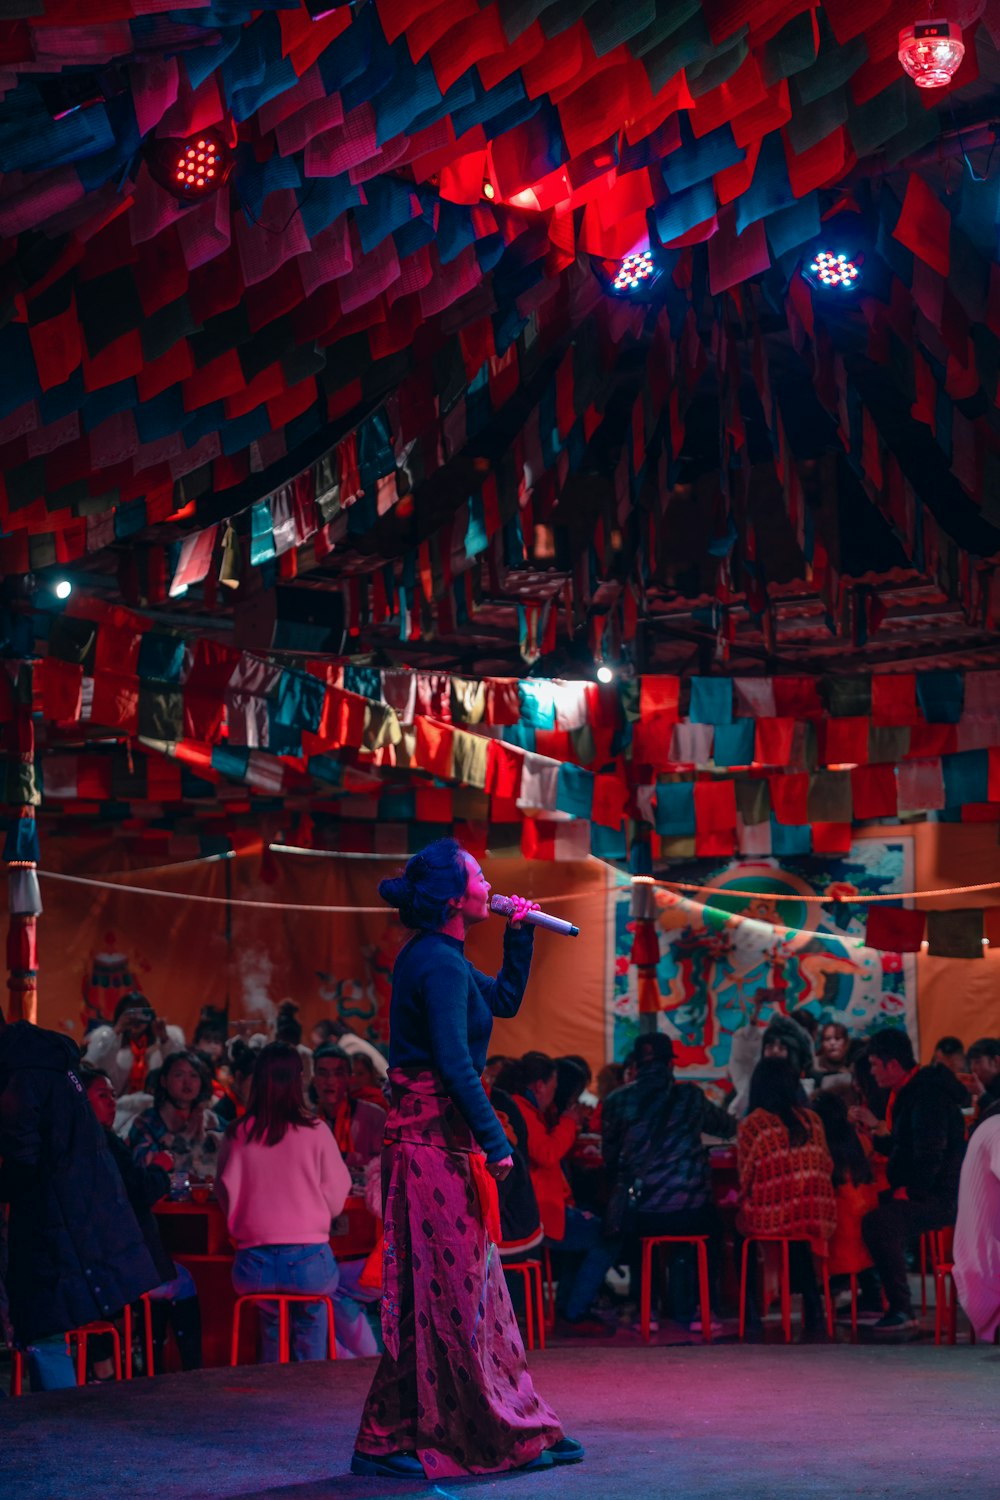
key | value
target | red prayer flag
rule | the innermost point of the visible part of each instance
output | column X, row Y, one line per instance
column 789, row 798
column 843, row 741
column 924, row 225
column 893, row 929
column 894, row 699
column 773, row 741
column 831, row 838
column 873, row 789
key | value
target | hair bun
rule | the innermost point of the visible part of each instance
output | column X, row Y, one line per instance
column 396, row 890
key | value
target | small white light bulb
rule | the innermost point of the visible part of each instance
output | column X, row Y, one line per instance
column 605, row 674
column 63, row 589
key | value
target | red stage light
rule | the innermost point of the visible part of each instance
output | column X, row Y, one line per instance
column 192, row 168
column 635, row 271
column 931, row 52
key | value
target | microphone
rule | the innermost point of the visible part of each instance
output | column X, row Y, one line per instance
column 503, row 906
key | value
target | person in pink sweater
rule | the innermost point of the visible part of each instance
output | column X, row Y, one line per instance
column 281, row 1181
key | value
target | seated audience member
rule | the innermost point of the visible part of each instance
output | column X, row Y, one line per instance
column 655, row 1156
column 134, row 1046
column 572, row 1079
column 364, row 1083
column 494, row 1067
column 210, row 1039
column 831, row 1055
column 533, row 1085
column 586, row 1095
column 75, row 1250
column 175, row 1300
column 950, row 1053
column 744, row 1052
column 786, row 1176
column 288, row 1028
column 338, row 1031
column 179, row 1120
column 857, row 1195
column 923, row 1139
column 282, row 1180
column 520, row 1221
column 233, row 1083
column 357, row 1125
column 785, row 1039
column 609, row 1078
column 984, row 1070
column 977, row 1227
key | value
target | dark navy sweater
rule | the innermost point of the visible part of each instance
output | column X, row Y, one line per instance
column 441, row 1017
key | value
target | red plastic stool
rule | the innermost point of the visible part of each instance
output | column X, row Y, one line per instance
column 532, row 1272
column 786, row 1282
column 283, row 1299
column 649, row 1242
column 90, row 1330
column 17, row 1373
column 941, row 1244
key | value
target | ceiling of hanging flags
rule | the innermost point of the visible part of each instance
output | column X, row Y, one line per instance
column 495, row 336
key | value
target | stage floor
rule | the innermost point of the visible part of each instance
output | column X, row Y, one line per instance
column 728, row 1421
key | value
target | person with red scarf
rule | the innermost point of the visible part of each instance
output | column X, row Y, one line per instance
column 136, row 1044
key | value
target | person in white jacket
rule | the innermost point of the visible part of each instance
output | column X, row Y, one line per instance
column 133, row 1046
column 977, row 1228
column 281, row 1181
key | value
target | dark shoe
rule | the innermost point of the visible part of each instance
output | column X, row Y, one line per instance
column 567, row 1451
column 895, row 1322
column 388, row 1466
column 543, row 1461
column 585, row 1328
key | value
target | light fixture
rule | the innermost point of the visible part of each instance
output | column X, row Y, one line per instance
column 320, row 9
column 63, row 589
column 635, row 272
column 489, row 191
column 605, row 673
column 931, row 52
column 193, row 167
column 832, row 269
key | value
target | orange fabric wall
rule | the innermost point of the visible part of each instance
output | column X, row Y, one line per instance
column 956, row 997
column 338, row 963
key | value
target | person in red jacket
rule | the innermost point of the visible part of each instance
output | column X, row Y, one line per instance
column 533, row 1085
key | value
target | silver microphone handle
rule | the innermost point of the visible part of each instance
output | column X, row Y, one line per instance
column 503, row 906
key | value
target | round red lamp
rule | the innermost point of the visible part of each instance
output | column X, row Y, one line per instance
column 931, row 52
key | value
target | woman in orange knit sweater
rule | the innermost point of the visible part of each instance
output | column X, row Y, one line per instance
column 786, row 1176
column 532, row 1082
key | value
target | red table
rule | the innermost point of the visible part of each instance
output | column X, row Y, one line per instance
column 195, row 1236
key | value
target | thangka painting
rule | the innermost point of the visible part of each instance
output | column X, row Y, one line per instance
column 754, row 928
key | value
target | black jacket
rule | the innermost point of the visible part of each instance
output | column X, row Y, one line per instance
column 652, row 1132
column 928, row 1137
column 144, row 1186
column 520, row 1221
column 76, row 1252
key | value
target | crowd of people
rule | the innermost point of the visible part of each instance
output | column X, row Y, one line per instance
column 843, row 1144
column 91, row 1139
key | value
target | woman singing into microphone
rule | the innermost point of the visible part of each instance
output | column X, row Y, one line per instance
column 451, row 1395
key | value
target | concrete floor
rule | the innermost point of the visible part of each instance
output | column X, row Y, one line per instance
column 742, row 1422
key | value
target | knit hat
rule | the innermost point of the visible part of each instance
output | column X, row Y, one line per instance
column 783, row 1029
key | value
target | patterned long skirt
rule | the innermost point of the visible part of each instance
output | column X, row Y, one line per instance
column 452, row 1385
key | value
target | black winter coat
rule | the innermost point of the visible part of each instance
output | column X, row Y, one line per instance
column 652, row 1142
column 144, row 1186
column 76, row 1252
column 928, row 1137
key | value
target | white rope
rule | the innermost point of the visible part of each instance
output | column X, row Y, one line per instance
column 140, row 890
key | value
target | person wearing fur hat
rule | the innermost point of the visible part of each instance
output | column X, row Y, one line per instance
column 787, row 1039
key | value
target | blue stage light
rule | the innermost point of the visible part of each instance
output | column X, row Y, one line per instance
column 636, row 272
column 830, row 269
